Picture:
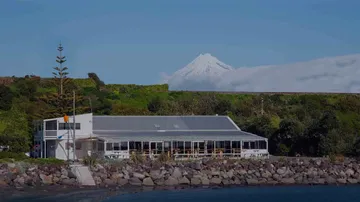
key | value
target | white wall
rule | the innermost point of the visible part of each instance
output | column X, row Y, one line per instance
column 85, row 121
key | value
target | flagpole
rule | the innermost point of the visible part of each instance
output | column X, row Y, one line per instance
column 74, row 126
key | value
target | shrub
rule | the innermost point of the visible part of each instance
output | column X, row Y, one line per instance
column 137, row 157
column 12, row 155
column 163, row 157
column 90, row 160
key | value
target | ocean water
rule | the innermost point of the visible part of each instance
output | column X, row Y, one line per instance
column 243, row 194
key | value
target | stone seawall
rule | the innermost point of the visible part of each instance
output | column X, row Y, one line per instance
column 20, row 175
column 229, row 172
column 209, row 172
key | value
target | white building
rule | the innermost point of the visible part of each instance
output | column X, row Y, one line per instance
column 119, row 136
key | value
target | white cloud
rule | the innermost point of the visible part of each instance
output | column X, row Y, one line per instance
column 333, row 74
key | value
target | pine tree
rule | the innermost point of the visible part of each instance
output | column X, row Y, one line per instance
column 61, row 72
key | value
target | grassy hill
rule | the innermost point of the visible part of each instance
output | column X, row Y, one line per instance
column 295, row 123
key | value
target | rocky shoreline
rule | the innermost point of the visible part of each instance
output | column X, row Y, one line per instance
column 199, row 173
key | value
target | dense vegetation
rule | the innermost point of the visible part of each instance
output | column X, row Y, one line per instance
column 311, row 125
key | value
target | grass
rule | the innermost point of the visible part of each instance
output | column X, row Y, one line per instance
column 11, row 157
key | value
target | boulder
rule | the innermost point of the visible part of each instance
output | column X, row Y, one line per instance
column 148, row 182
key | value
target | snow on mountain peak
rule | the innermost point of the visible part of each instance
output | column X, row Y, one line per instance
column 203, row 68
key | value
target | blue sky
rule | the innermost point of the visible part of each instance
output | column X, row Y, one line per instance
column 133, row 41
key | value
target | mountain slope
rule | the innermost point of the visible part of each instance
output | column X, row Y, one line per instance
column 332, row 74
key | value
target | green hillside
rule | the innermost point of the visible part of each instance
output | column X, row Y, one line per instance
column 311, row 125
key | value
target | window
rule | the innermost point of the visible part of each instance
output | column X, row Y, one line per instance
column 187, row 146
column 100, row 146
column 252, row 145
column 78, row 145
column 262, row 144
column 68, row 126
column 109, row 146
column 132, row 145
column 51, row 125
column 146, row 145
column 124, row 146
column 116, row 146
column 246, row 145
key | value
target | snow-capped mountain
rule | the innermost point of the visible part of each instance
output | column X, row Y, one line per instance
column 198, row 72
column 332, row 74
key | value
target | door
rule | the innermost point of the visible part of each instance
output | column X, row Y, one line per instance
column 50, row 148
column 199, row 147
column 156, row 147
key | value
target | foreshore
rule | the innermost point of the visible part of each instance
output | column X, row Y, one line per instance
column 185, row 174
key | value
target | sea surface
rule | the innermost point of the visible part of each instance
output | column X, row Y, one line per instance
column 243, row 194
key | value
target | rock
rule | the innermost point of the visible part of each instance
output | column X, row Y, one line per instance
column 139, row 175
column 242, row 172
column 19, row 181
column 184, row 180
column 225, row 182
column 215, row 180
column 155, row 174
column 215, row 173
column 3, row 183
column 349, row 172
column 330, row 180
column 160, row 182
column 135, row 181
column 122, row 181
column 197, row 165
column 352, row 181
column 252, row 181
column 281, row 171
column 68, row 181
column 230, row 173
column 320, row 181
column 171, row 181
column 341, row 181
column 109, row 182
column 46, row 179
column 71, row 174
column 205, row 181
column 148, row 182
column 195, row 181
column 176, row 173
column 64, row 172
column 266, row 174
column 116, row 176
column 288, row 181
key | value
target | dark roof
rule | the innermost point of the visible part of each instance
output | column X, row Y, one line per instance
column 155, row 123
column 177, row 136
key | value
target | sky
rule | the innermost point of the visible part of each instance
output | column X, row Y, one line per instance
column 135, row 41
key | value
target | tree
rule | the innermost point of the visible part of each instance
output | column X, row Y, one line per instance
column 6, row 97
column 61, row 72
column 14, row 131
column 222, row 107
column 99, row 83
column 155, row 104
column 290, row 132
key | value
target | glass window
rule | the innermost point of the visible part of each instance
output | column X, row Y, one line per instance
column 100, row 146
column 262, row 144
column 116, row 146
column 109, row 146
column 68, row 126
column 146, row 145
column 124, row 146
column 246, row 145
column 252, row 145
column 51, row 125
column 132, row 145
